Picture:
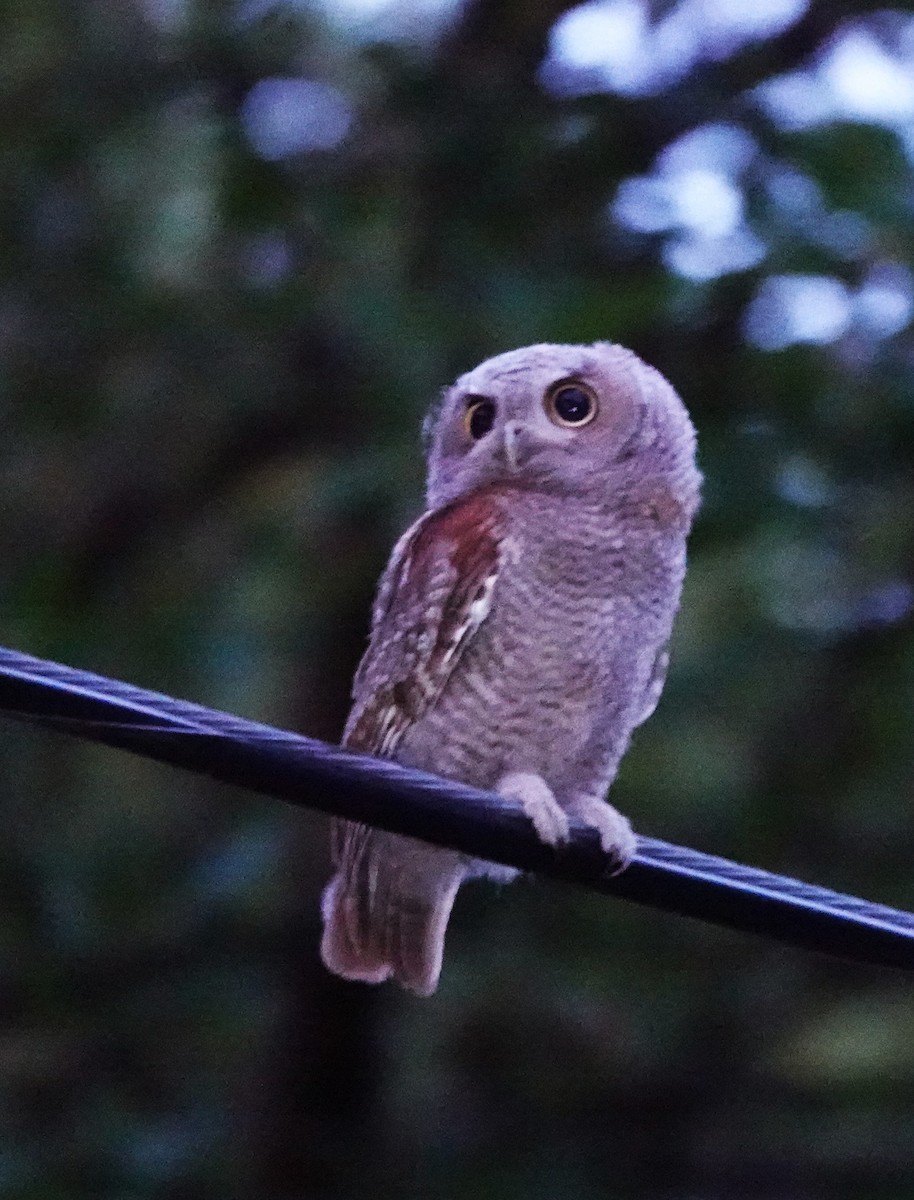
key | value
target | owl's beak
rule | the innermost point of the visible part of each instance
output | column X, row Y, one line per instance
column 511, row 440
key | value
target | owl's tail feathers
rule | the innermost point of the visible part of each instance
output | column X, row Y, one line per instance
column 386, row 910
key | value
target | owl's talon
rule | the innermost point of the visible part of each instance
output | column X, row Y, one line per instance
column 617, row 838
column 535, row 797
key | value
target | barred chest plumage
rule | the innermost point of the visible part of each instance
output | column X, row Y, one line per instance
column 555, row 679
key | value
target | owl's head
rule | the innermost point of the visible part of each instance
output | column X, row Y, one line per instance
column 562, row 419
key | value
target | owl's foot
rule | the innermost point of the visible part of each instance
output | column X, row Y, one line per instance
column 616, row 834
column 535, row 797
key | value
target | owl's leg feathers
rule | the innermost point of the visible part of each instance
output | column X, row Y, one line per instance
column 535, row 797
column 386, row 910
column 616, row 834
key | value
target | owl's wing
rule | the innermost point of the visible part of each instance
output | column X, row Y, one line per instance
column 436, row 592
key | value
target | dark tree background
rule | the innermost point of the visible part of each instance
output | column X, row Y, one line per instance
column 243, row 244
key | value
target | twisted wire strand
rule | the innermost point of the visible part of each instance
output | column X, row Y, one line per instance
column 313, row 774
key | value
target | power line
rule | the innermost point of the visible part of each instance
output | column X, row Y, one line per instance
column 316, row 775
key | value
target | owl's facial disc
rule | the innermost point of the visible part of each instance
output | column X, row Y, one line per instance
column 555, row 418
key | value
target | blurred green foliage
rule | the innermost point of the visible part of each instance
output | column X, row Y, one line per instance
column 242, row 247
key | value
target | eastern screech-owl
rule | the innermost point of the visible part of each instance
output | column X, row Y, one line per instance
column 520, row 630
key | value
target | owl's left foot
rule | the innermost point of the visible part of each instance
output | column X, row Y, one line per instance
column 535, row 797
column 617, row 837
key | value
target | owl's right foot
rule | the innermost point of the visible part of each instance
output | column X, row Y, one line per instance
column 617, row 838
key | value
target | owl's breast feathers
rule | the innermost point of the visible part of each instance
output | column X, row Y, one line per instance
column 436, row 592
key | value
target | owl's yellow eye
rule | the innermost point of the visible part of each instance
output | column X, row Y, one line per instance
column 479, row 417
column 571, row 405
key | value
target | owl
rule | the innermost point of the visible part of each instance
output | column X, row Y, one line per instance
column 520, row 629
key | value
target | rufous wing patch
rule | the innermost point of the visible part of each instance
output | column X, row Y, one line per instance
column 437, row 592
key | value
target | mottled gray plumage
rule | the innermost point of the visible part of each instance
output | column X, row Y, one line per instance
column 520, row 629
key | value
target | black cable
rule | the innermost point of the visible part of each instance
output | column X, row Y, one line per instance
column 316, row 775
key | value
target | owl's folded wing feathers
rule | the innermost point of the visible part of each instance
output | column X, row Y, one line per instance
column 436, row 592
